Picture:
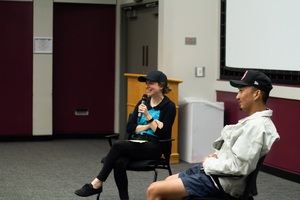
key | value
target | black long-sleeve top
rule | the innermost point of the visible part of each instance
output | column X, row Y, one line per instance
column 167, row 116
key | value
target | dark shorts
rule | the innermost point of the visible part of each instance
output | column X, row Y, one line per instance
column 197, row 183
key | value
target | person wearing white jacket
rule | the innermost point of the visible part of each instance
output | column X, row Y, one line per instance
column 237, row 150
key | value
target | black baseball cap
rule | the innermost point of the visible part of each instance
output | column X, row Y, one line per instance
column 154, row 76
column 254, row 78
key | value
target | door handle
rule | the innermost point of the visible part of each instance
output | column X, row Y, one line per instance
column 145, row 55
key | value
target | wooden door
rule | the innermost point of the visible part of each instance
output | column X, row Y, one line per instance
column 83, row 68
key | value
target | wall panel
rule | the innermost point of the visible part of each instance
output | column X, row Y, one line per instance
column 16, row 22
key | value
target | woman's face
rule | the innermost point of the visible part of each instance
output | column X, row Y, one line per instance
column 153, row 88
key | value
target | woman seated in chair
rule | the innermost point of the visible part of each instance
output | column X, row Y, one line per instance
column 151, row 120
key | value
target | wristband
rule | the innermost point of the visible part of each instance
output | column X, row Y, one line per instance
column 150, row 120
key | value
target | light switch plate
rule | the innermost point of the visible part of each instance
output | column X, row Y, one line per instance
column 200, row 71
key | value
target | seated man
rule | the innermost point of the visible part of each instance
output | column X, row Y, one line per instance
column 237, row 150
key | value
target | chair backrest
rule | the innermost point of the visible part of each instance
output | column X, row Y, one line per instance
column 251, row 189
column 127, row 135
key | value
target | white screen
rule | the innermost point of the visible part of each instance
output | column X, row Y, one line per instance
column 263, row 34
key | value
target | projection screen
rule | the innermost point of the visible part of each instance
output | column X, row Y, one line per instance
column 263, row 34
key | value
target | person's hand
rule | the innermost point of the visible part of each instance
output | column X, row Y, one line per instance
column 143, row 109
column 209, row 156
column 213, row 155
column 160, row 125
column 203, row 160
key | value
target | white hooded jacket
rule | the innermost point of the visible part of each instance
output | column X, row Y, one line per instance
column 240, row 147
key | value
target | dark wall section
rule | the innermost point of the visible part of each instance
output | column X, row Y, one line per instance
column 16, row 25
column 284, row 153
column 83, row 68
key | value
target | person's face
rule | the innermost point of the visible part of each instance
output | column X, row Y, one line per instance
column 246, row 98
column 153, row 88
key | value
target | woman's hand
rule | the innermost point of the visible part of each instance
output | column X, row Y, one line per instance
column 159, row 124
column 143, row 109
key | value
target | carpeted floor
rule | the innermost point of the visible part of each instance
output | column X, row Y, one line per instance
column 50, row 170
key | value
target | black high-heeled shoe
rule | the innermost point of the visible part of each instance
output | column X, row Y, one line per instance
column 88, row 190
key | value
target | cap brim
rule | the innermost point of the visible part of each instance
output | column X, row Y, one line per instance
column 142, row 79
column 237, row 83
column 145, row 78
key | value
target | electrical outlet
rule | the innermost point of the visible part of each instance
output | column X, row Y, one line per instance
column 200, row 71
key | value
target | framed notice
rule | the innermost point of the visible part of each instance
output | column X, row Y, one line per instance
column 42, row 45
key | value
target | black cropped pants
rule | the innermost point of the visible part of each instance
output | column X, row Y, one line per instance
column 120, row 154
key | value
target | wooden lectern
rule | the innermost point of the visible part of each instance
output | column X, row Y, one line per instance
column 135, row 91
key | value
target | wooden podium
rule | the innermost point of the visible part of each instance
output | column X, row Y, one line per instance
column 135, row 91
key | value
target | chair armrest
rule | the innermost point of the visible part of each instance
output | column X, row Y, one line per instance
column 116, row 135
column 166, row 140
column 112, row 136
column 226, row 175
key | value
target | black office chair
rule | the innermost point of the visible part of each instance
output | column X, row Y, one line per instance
column 148, row 165
column 250, row 189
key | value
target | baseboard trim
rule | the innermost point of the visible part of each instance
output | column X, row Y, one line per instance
column 281, row 173
column 30, row 138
